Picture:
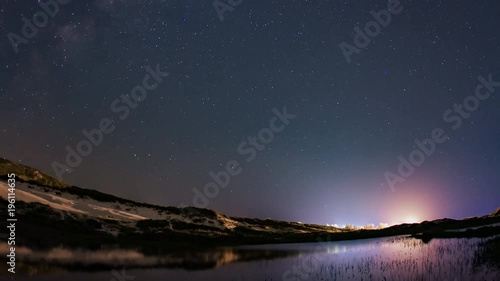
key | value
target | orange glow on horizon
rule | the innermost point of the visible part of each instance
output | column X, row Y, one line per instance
column 408, row 206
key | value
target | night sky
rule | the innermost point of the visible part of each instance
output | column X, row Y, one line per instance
column 225, row 78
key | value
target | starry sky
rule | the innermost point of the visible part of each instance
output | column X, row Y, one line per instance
column 352, row 120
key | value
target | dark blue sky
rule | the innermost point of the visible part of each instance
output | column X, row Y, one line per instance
column 352, row 120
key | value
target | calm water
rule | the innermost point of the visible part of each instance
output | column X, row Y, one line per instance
column 374, row 259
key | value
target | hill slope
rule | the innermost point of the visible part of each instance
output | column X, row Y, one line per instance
column 28, row 174
column 77, row 217
column 496, row 213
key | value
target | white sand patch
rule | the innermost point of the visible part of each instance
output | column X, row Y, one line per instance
column 117, row 212
column 227, row 222
column 29, row 198
column 63, row 201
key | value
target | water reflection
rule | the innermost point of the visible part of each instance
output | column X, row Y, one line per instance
column 396, row 258
column 110, row 258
